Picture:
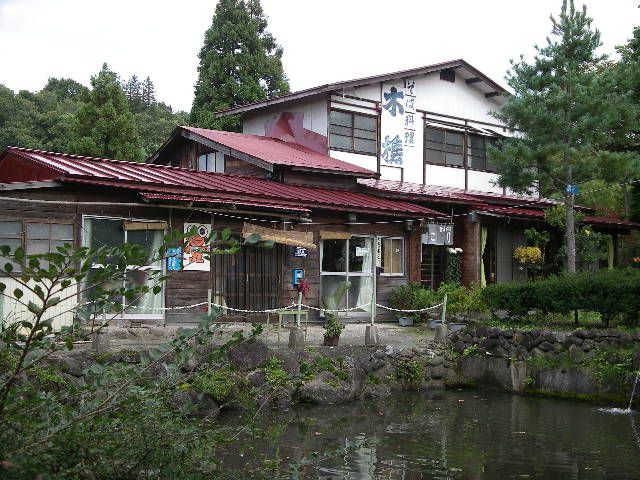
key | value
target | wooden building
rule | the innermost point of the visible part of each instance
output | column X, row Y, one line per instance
column 368, row 180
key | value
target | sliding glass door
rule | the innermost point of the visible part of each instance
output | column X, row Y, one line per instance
column 349, row 260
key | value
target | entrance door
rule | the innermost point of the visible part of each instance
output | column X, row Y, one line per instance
column 433, row 265
column 250, row 279
column 349, row 260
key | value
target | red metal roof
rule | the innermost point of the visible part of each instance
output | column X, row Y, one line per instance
column 450, row 194
column 539, row 214
column 153, row 181
column 279, row 152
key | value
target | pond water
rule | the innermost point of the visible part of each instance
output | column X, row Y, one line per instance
column 451, row 435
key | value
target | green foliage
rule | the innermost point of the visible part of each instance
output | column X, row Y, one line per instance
column 453, row 271
column 240, row 62
column 104, row 125
column 277, row 377
column 410, row 371
column 471, row 350
column 608, row 292
column 460, row 299
column 567, row 106
column 216, row 382
column 332, row 326
column 613, row 366
column 322, row 363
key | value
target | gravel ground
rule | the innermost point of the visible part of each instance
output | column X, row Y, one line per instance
column 352, row 335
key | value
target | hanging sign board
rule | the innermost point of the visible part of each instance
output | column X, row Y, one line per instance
column 438, row 234
column 301, row 252
column 362, row 251
column 196, row 247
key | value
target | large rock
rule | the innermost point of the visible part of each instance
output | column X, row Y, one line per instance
column 289, row 361
column 196, row 404
column 249, row 355
column 326, row 388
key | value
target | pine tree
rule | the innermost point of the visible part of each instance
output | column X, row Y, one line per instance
column 104, row 126
column 148, row 93
column 240, row 62
column 566, row 111
column 133, row 89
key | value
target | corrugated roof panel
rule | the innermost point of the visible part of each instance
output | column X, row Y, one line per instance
column 278, row 152
column 160, row 179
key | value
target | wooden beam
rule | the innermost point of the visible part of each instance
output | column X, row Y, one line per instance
column 492, row 94
column 473, row 80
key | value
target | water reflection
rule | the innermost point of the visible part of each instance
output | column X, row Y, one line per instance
column 453, row 435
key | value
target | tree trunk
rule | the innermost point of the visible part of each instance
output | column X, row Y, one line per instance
column 570, row 230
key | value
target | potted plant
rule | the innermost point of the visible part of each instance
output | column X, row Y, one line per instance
column 332, row 330
column 332, row 327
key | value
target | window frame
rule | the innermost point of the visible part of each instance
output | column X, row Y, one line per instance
column 466, row 149
column 347, row 273
column 402, row 256
column 352, row 135
column 161, row 267
column 24, row 237
column 212, row 158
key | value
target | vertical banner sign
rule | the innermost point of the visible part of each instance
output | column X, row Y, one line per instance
column 398, row 121
column 196, row 247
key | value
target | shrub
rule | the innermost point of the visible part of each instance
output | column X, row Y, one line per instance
column 608, row 292
column 460, row 299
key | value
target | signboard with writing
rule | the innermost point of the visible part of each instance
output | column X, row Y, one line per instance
column 174, row 259
column 197, row 247
column 302, row 252
column 438, row 234
column 398, row 121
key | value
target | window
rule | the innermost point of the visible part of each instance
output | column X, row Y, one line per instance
column 392, row 256
column 211, row 162
column 353, row 132
column 113, row 232
column 443, row 147
column 39, row 237
column 477, row 153
column 348, row 260
column 447, row 147
column 11, row 236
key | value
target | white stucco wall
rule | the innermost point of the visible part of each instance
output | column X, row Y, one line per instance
column 314, row 111
column 444, row 176
column 364, row 161
column 483, row 181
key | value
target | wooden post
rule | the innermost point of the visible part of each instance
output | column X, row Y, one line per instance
column 444, row 309
column 299, row 309
column 209, row 293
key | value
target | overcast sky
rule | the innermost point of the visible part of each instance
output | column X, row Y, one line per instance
column 323, row 40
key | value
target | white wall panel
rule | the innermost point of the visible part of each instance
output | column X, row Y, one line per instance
column 482, row 181
column 314, row 111
column 364, row 161
column 13, row 311
column 444, row 176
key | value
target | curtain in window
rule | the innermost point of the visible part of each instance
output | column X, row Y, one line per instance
column 483, row 244
column 364, row 285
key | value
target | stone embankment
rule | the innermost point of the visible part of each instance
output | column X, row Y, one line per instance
column 594, row 364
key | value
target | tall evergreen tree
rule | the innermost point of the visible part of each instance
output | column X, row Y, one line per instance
column 148, row 93
column 567, row 111
column 240, row 62
column 104, row 126
column 133, row 89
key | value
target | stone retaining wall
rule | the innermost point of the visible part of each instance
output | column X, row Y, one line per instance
column 589, row 364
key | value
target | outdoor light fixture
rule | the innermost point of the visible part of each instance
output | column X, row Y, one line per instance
column 473, row 217
column 352, row 218
column 408, row 225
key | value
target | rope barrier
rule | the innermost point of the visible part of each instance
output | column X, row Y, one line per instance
column 410, row 311
column 339, row 310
